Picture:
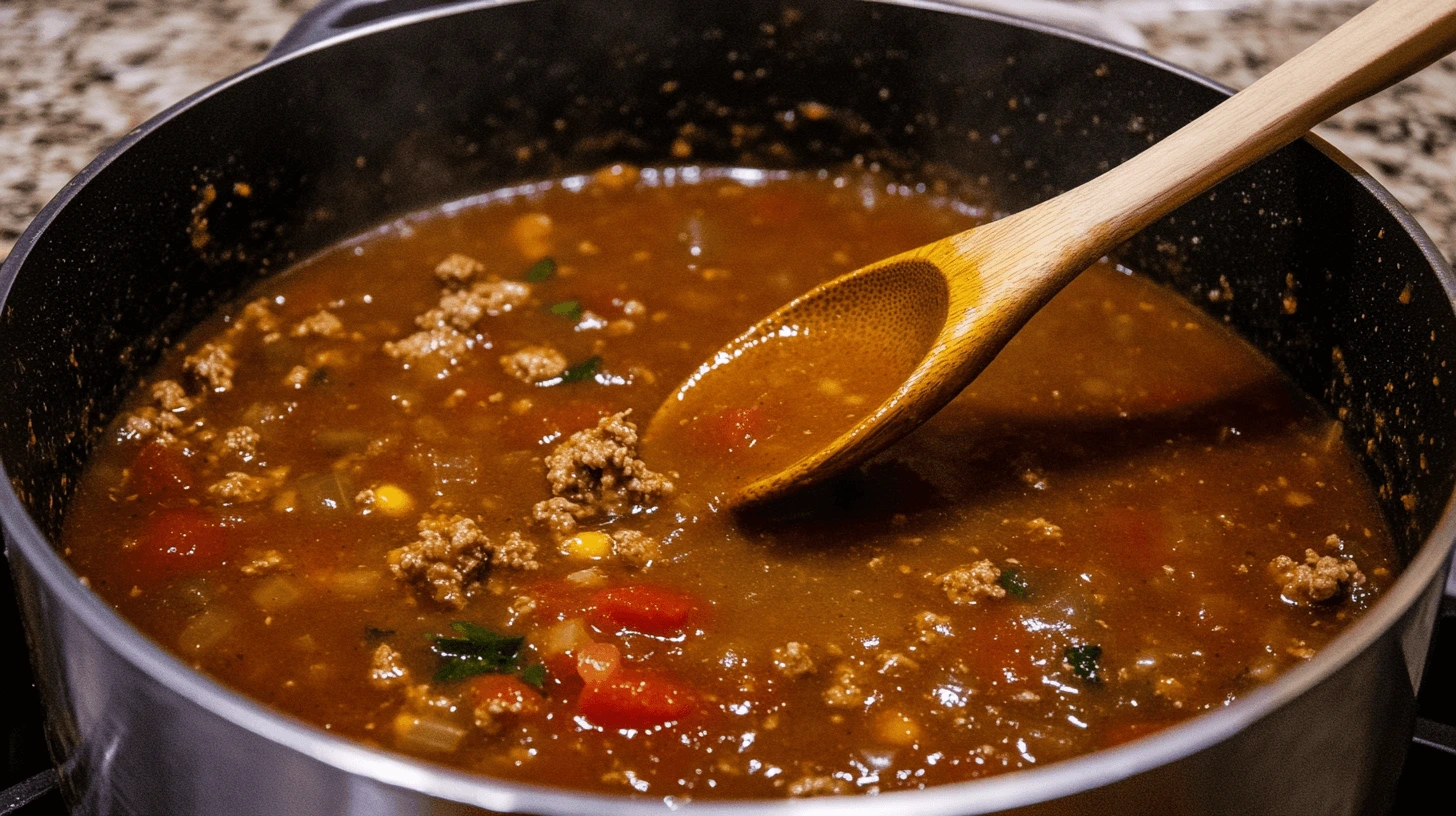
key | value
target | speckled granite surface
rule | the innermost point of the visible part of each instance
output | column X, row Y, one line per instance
column 75, row 75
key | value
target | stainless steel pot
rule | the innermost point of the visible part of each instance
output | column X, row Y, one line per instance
column 432, row 104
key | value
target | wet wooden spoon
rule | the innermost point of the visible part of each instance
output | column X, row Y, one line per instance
column 848, row 368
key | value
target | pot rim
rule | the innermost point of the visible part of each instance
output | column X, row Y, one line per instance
column 1415, row 585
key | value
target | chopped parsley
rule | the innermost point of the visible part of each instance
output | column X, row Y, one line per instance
column 1085, row 661
column 534, row 676
column 478, row 651
column 541, row 270
column 1014, row 583
column 569, row 309
column 582, row 370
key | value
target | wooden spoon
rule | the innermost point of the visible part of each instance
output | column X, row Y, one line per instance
column 908, row 333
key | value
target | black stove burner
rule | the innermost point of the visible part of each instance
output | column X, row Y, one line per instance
column 29, row 789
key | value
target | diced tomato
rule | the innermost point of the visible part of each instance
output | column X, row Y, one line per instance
column 597, row 662
column 181, row 541
column 635, row 698
column 1136, row 541
column 160, row 470
column 651, row 610
column 731, row 429
column 513, row 695
column 556, row 599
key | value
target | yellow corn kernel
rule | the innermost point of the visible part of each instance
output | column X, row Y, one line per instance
column 895, row 728
column 588, row 546
column 392, row 501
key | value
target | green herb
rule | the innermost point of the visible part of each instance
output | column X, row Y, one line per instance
column 541, row 270
column 1085, row 661
column 1014, row 583
column 582, row 370
column 570, row 309
column 374, row 635
column 480, row 651
column 534, row 676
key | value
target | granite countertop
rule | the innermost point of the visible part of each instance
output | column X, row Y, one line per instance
column 75, row 75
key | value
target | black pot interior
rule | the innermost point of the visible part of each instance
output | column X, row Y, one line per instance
column 327, row 144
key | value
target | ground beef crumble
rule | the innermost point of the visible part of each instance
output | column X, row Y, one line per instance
column 534, row 364
column 844, row 691
column 242, row 441
column 492, row 715
column 321, row 324
column 516, row 552
column 458, row 269
column 1318, row 579
column 171, row 396
column 932, row 628
column 211, row 367
column 965, row 584
column 463, row 309
column 595, row 472
column 452, row 554
column 244, row 488
column 635, row 549
column 449, row 557
column 387, row 669
column 793, row 660
column 443, row 341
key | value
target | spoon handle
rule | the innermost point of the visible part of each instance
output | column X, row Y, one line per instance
column 1385, row 43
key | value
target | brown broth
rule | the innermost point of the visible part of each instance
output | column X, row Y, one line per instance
column 1129, row 465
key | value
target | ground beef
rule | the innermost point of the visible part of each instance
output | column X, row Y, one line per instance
column 1318, row 579
column 244, row 488
column 463, row 309
column 824, row 785
column 896, row 664
column 493, row 714
column 171, row 396
column 595, row 472
column 443, row 341
column 320, row 324
column 516, row 552
column 457, row 270
column 242, row 441
column 257, row 315
column 792, row 659
column 297, row 377
column 635, row 549
column 263, row 564
column 932, row 628
column 449, row 558
column 211, row 367
column 534, row 364
column 148, row 422
column 844, row 691
column 966, row 583
column 387, row 668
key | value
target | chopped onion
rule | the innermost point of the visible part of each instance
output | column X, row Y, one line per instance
column 205, row 630
column 560, row 638
column 427, row 734
column 276, row 593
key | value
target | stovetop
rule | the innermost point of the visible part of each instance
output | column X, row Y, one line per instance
column 1429, row 768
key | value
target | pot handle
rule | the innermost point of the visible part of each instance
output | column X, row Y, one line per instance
column 332, row 17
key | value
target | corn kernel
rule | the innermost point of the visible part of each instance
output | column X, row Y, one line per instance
column 895, row 728
column 392, row 501
column 588, row 546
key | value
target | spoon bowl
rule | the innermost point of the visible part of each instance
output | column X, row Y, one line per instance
column 846, row 369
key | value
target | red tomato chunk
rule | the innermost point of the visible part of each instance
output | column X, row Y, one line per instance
column 643, row 608
column 635, row 698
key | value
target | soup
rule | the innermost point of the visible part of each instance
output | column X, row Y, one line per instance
column 400, row 492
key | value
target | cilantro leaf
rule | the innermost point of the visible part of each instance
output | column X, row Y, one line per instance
column 541, row 270
column 569, row 309
column 479, row 651
column 1085, row 661
column 534, row 675
column 1014, row 583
